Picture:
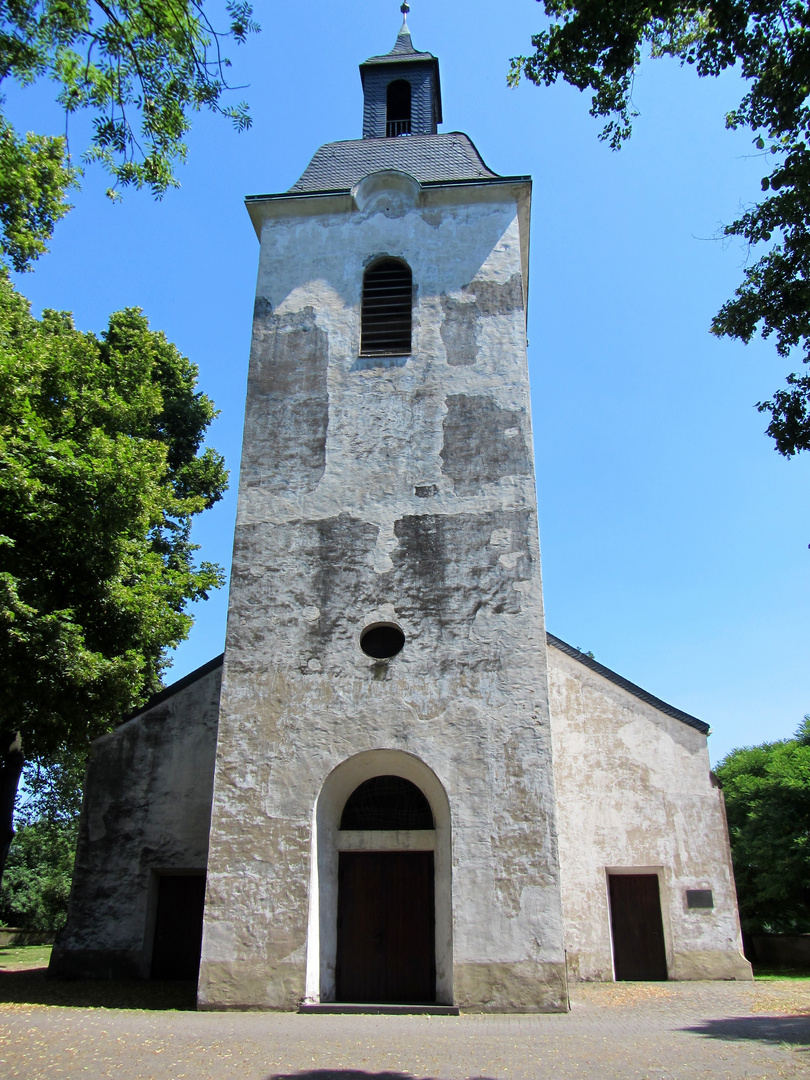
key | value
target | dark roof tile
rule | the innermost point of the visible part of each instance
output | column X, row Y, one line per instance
column 403, row 50
column 448, row 156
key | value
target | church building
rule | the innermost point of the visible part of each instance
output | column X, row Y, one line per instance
column 395, row 789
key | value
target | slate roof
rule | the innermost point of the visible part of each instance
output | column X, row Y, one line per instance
column 402, row 52
column 631, row 688
column 339, row 166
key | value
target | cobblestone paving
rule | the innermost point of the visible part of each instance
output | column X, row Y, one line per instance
column 638, row 1031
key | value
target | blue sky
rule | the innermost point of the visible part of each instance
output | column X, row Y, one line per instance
column 674, row 538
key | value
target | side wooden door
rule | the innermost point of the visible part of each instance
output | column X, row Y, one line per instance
column 639, row 952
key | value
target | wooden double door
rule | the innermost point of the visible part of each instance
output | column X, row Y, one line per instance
column 386, row 951
column 639, row 951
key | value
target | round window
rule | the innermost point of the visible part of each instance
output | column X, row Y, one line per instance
column 382, row 641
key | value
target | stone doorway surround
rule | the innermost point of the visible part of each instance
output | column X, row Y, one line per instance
column 328, row 840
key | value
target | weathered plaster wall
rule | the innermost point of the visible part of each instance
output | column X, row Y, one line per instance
column 147, row 809
column 397, row 489
column 634, row 790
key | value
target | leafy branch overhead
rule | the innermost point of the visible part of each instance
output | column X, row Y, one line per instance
column 139, row 67
column 598, row 45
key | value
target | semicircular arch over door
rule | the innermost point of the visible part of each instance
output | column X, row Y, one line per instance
column 386, row 951
column 380, row 907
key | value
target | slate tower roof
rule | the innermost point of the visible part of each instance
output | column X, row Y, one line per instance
column 339, row 166
column 402, row 108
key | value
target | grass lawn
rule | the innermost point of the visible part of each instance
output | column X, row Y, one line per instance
column 24, row 957
column 23, row 981
column 766, row 973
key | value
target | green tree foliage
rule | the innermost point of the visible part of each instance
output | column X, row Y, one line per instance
column 599, row 45
column 767, row 791
column 101, row 475
column 140, row 68
column 34, row 179
column 38, row 873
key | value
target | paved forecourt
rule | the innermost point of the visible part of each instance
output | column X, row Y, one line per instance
column 664, row 1031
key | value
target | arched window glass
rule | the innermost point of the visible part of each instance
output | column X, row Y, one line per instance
column 387, row 802
column 386, row 310
column 398, row 108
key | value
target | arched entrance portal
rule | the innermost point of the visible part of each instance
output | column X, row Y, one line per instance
column 380, row 925
column 386, row 909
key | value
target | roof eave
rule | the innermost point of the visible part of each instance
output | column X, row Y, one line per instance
column 625, row 684
column 339, row 200
column 173, row 688
column 475, row 181
column 399, row 58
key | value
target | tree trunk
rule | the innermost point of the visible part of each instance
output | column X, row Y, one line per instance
column 11, row 766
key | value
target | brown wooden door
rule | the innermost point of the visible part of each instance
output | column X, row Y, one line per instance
column 178, row 926
column 385, row 932
column 638, row 932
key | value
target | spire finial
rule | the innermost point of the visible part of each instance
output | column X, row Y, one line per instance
column 404, row 30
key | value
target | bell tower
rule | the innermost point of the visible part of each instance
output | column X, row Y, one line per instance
column 401, row 91
column 383, row 826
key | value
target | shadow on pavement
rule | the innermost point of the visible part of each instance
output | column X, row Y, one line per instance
column 351, row 1074
column 794, row 1030
column 32, row 987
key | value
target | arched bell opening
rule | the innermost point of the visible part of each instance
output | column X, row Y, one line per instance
column 398, row 108
column 380, row 928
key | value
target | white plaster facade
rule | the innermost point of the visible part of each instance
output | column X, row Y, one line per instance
column 635, row 794
column 146, row 812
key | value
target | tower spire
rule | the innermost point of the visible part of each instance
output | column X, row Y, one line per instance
column 403, row 41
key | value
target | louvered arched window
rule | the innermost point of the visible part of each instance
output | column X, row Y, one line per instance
column 398, row 108
column 386, row 310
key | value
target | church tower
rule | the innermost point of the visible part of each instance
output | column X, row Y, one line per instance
column 383, row 823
